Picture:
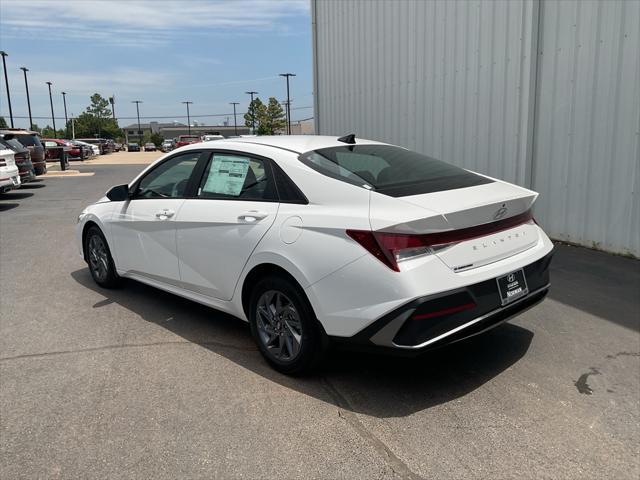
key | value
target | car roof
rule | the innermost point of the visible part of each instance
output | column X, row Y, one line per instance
column 18, row 131
column 295, row 143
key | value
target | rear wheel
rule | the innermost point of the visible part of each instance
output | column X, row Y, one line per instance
column 284, row 326
column 99, row 259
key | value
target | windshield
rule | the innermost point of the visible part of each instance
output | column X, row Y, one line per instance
column 390, row 170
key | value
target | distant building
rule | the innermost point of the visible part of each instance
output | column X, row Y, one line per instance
column 175, row 129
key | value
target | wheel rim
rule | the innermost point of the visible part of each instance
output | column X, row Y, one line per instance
column 98, row 257
column 279, row 326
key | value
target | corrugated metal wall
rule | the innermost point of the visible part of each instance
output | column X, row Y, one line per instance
column 461, row 81
column 587, row 148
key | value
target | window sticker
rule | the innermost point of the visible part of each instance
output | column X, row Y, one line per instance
column 226, row 175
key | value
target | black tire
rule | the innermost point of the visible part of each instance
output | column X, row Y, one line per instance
column 312, row 344
column 101, row 265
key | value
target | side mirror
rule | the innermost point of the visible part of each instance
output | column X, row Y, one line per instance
column 119, row 193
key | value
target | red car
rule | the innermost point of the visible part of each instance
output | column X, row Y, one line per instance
column 73, row 151
column 187, row 139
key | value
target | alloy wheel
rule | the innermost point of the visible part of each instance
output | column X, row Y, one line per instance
column 279, row 325
column 98, row 258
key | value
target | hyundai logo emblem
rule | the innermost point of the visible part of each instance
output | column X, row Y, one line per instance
column 501, row 212
column 511, row 278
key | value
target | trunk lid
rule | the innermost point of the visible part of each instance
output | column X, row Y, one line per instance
column 460, row 209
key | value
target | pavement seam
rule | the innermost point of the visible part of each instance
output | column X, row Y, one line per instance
column 121, row 346
column 345, row 411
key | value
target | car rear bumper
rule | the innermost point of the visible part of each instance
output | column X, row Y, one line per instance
column 448, row 317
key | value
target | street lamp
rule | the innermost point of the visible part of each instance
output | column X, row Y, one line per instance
column 253, row 111
column 188, row 116
column 53, row 118
column 287, row 75
column 6, row 82
column 138, row 102
column 26, row 86
column 235, row 123
column 66, row 120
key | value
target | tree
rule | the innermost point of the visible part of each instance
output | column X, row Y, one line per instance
column 154, row 138
column 49, row 132
column 3, row 123
column 256, row 107
column 96, row 120
column 270, row 118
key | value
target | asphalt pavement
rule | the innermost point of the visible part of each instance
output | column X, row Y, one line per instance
column 138, row 383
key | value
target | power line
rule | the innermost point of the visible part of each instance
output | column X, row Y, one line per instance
column 167, row 116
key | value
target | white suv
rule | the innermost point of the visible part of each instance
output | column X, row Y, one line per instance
column 9, row 177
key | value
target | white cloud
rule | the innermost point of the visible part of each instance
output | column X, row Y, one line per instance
column 143, row 22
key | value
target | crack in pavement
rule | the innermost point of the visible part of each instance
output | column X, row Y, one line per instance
column 345, row 412
column 130, row 345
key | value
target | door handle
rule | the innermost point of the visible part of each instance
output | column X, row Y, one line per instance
column 165, row 213
column 252, row 216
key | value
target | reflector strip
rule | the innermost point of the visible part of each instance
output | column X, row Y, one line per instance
column 444, row 311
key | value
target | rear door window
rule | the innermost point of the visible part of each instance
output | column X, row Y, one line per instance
column 237, row 177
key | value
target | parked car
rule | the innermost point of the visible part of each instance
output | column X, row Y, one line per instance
column 133, row 147
column 102, row 143
column 314, row 240
column 31, row 140
column 95, row 149
column 167, row 146
column 150, row 147
column 209, row 138
column 9, row 174
column 22, row 157
column 187, row 140
column 72, row 149
column 53, row 151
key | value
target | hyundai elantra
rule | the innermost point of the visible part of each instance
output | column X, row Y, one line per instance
column 317, row 240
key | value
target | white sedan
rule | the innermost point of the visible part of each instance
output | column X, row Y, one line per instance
column 315, row 240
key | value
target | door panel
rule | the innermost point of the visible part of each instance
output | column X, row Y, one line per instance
column 145, row 239
column 215, row 240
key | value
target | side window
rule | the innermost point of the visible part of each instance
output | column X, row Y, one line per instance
column 230, row 176
column 170, row 179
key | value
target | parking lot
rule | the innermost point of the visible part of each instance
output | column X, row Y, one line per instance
column 137, row 383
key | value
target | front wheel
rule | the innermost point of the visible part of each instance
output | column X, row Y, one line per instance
column 284, row 326
column 100, row 261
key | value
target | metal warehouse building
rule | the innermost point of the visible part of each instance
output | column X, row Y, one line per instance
column 542, row 93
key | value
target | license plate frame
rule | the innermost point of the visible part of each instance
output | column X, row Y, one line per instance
column 512, row 286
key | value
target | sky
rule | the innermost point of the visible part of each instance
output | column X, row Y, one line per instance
column 162, row 52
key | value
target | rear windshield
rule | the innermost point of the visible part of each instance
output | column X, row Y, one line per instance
column 29, row 140
column 390, row 170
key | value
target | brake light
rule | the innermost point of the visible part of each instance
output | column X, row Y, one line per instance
column 391, row 248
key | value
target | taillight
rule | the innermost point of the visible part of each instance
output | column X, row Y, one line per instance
column 391, row 248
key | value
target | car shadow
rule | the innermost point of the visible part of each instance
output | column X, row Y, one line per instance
column 31, row 185
column 7, row 206
column 16, row 195
column 378, row 385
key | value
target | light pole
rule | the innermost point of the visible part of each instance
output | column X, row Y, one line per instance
column 287, row 75
column 66, row 120
column 187, row 103
column 6, row 82
column 235, row 123
column 138, row 102
column 253, row 111
column 26, row 86
column 53, row 118
column 112, row 101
